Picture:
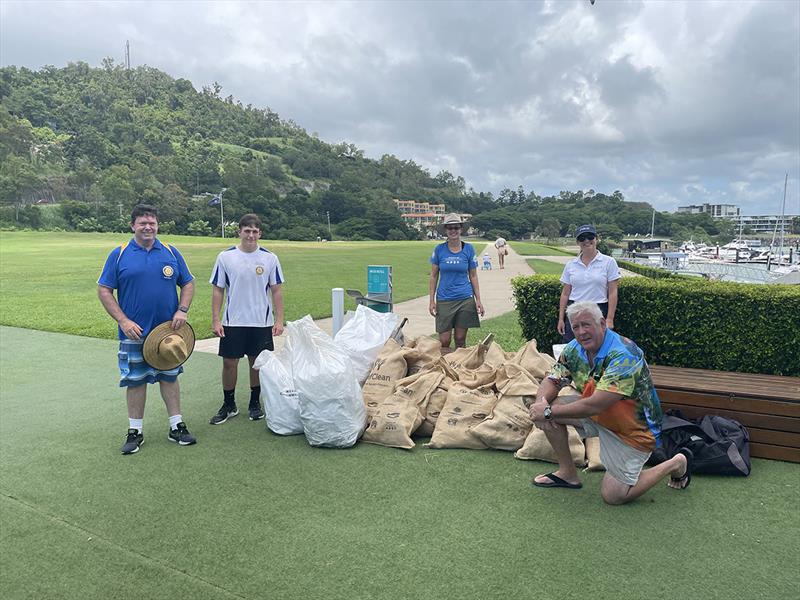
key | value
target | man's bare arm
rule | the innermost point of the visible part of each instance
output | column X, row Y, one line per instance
column 130, row 328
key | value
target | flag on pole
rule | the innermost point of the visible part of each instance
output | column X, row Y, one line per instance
column 214, row 201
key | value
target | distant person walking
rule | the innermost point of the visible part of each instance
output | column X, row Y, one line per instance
column 145, row 273
column 591, row 276
column 455, row 297
column 251, row 277
column 502, row 250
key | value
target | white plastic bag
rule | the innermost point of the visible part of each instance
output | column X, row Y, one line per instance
column 281, row 404
column 331, row 406
column 363, row 336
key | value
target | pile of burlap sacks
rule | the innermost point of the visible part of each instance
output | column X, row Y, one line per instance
column 469, row 398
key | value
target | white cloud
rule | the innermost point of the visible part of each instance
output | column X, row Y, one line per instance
column 670, row 102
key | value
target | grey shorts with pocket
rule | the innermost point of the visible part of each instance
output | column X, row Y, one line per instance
column 461, row 314
column 622, row 461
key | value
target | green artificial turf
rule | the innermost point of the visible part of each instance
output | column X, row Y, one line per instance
column 247, row 514
column 534, row 249
column 545, row 267
column 49, row 280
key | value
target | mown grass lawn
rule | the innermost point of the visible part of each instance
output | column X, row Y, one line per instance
column 48, row 281
column 545, row 267
column 245, row 514
column 534, row 249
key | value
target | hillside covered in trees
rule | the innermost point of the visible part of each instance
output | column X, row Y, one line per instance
column 95, row 141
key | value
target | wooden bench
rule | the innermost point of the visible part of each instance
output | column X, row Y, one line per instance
column 767, row 405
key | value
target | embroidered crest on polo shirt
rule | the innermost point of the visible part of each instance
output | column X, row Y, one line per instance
column 168, row 271
column 259, row 270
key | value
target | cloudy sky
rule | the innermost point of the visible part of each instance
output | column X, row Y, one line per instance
column 670, row 102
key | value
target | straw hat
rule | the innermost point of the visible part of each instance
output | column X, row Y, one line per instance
column 451, row 219
column 166, row 348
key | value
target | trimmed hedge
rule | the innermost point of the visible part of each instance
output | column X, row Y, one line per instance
column 651, row 272
column 686, row 322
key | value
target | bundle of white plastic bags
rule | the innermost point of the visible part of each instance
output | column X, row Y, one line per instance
column 312, row 385
column 363, row 336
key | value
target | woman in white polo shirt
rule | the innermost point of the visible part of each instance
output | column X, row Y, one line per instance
column 591, row 276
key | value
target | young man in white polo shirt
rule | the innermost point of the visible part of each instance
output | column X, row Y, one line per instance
column 251, row 277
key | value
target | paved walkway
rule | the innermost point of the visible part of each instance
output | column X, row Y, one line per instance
column 495, row 294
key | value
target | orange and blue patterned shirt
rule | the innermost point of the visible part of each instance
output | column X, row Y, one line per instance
column 619, row 367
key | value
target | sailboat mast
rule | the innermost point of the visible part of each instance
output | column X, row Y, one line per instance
column 783, row 214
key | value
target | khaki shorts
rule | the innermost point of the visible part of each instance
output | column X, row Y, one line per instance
column 622, row 461
column 461, row 314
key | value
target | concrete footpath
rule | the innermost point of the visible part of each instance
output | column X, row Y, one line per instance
column 495, row 294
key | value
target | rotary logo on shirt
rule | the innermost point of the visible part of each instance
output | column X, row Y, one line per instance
column 259, row 270
column 168, row 271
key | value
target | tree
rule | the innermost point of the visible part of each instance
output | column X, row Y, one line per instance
column 550, row 228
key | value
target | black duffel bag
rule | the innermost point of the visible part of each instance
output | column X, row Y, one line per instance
column 720, row 446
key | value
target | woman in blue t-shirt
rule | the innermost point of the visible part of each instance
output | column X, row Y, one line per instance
column 455, row 297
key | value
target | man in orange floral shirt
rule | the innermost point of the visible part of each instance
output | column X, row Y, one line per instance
column 618, row 404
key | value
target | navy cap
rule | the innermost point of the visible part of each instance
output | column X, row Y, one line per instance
column 585, row 229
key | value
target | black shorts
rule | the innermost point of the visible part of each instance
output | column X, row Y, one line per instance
column 239, row 341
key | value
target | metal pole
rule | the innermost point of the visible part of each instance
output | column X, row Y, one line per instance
column 337, row 309
column 221, row 215
column 328, row 214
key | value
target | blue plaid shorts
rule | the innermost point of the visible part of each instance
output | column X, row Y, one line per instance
column 134, row 371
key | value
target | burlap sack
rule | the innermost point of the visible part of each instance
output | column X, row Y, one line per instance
column 464, row 408
column 513, row 380
column 475, row 356
column 399, row 415
column 509, row 423
column 593, row 454
column 434, row 407
column 470, row 357
column 475, row 378
column 496, row 356
column 425, row 351
column 533, row 361
column 507, row 427
column 388, row 369
column 537, row 447
column 568, row 394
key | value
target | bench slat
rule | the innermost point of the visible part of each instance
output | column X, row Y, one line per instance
column 736, row 403
column 775, row 438
column 761, row 421
column 722, row 382
column 775, row 452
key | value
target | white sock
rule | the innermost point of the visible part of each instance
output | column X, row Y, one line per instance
column 135, row 424
column 174, row 420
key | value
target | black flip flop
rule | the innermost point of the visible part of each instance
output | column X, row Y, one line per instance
column 557, row 482
column 687, row 476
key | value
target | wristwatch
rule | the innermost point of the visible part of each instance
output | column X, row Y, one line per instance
column 183, row 309
column 548, row 412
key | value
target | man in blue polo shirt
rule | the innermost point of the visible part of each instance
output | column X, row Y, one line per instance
column 145, row 272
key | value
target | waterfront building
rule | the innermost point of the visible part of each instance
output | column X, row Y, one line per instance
column 718, row 211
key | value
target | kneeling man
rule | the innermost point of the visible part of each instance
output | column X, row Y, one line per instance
column 618, row 404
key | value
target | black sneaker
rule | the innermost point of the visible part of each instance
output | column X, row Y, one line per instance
column 224, row 413
column 255, row 412
column 133, row 441
column 181, row 435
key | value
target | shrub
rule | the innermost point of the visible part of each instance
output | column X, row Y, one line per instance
column 684, row 322
column 89, row 224
column 651, row 272
column 199, row 227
